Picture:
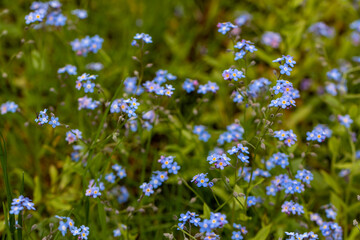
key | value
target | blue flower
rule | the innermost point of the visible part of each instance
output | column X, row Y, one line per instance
column 252, row 201
column 225, row 27
column 243, row 158
column 321, row 29
column 73, row 135
column 239, row 55
column 89, row 86
column 54, row 122
column 8, row 107
column 243, row 18
column 334, row 74
column 70, row 69
column 110, row 177
column 201, row 180
column 236, row 235
column 271, row 39
column 80, row 13
column 75, row 231
column 174, row 168
column 189, row 85
column 56, row 19
column 285, row 69
column 147, row 189
column 146, row 38
column 62, row 228
column 345, row 120
column 330, row 213
column 117, row 233
column 292, row 207
column 86, row 45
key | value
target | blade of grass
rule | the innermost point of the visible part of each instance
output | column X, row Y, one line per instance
column 3, row 158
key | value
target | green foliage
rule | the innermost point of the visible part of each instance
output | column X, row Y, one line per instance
column 35, row 160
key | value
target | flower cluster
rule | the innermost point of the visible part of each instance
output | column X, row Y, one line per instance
column 88, row 44
column 120, row 172
column 304, row 175
column 130, row 86
column 271, row 39
column 289, row 94
column 283, row 182
column 95, row 66
column 321, row 29
column 238, row 235
column 127, row 106
column 339, row 84
column 208, row 87
column 8, row 107
column 315, row 217
column 189, row 85
column 69, row 69
column 220, row 161
column 355, row 35
column 48, row 13
column 162, row 76
column 43, row 118
column 301, row 236
column 216, row 221
column 202, row 133
column 257, row 86
column 290, row 207
column 87, row 103
column 288, row 137
column 287, row 62
column 75, row 155
column 80, row 13
column 241, row 151
column 244, row 47
column 232, row 74
column 277, row 159
column 234, row 133
column 143, row 37
column 201, row 180
column 67, row 223
column 73, row 135
column 88, row 85
column 243, row 19
column 190, row 217
column 18, row 204
column 331, row 230
column 121, row 193
column 225, row 27
column 94, row 188
column 158, row 177
column 246, row 173
column 319, row 133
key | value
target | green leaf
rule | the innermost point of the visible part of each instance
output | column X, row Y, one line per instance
column 334, row 145
column 263, row 233
column 37, row 190
column 102, row 216
column 331, row 182
column 37, row 61
column 206, row 211
column 243, row 217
